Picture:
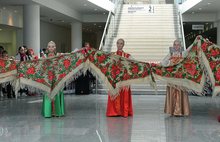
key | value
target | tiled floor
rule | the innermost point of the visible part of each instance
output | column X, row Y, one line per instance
column 85, row 121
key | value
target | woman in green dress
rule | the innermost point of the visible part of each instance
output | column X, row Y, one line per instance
column 53, row 107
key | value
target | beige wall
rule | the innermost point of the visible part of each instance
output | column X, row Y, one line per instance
column 8, row 39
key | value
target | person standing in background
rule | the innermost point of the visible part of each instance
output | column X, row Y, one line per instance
column 1, row 50
column 9, row 88
column 21, row 56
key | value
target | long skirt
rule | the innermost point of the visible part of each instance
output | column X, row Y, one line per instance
column 122, row 105
column 55, row 107
column 177, row 102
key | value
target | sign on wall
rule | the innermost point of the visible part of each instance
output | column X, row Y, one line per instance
column 197, row 27
column 141, row 9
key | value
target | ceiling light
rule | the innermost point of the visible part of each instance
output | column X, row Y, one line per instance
column 183, row 23
column 3, row 7
column 62, row 21
column 84, row 4
column 70, row 23
column 94, row 23
column 87, row 29
column 90, row 30
column 193, row 12
column 103, row 13
column 100, row 26
column 83, row 28
column 96, row 32
column 200, row 8
column 208, row 3
column 95, row 9
column 206, row 23
column 15, row 11
column 0, row 29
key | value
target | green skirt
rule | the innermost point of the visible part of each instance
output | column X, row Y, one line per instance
column 47, row 110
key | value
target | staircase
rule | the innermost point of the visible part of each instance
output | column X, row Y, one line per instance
column 147, row 38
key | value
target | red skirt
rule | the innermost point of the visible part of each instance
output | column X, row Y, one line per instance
column 122, row 105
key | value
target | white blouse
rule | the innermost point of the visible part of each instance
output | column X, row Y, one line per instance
column 166, row 60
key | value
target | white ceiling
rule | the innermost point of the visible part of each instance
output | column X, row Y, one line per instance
column 78, row 5
column 205, row 8
column 54, row 17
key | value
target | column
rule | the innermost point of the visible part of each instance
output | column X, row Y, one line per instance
column 218, row 32
column 31, row 26
column 76, row 35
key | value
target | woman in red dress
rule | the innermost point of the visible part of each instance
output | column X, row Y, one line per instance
column 121, row 105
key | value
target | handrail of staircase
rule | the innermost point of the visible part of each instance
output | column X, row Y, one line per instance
column 179, row 12
column 117, row 2
column 182, row 29
column 105, row 30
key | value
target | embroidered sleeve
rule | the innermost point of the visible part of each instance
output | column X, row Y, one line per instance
column 130, row 57
column 184, row 53
column 166, row 60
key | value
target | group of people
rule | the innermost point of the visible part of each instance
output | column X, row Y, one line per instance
column 176, row 104
column 23, row 54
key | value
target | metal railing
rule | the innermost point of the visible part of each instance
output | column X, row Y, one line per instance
column 105, row 30
column 179, row 12
column 110, row 21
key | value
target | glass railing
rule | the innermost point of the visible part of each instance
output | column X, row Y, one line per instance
column 179, row 13
column 111, row 22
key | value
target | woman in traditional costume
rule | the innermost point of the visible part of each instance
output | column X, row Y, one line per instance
column 53, row 107
column 122, row 104
column 177, row 102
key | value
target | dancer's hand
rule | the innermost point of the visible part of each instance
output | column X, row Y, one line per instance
column 172, row 61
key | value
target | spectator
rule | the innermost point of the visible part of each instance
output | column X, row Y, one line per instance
column 45, row 51
column 1, row 50
column 41, row 54
column 1, row 89
column 21, row 56
column 31, row 54
column 25, row 49
column 9, row 88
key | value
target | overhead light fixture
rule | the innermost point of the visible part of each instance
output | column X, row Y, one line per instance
column 63, row 21
column 4, row 8
column 200, row 8
column 90, row 30
column 94, row 23
column 96, row 32
column 100, row 26
column 193, row 12
column 83, row 28
column 84, row 4
column 103, row 13
column 208, row 3
column 87, row 29
column 95, row 9
column 15, row 11
column 183, row 23
column 0, row 29
column 70, row 23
